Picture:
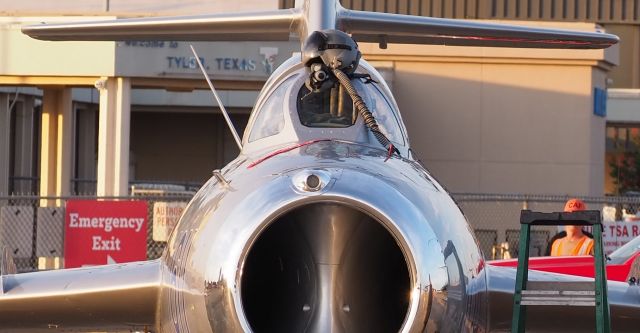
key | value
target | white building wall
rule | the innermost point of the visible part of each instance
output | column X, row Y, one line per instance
column 623, row 106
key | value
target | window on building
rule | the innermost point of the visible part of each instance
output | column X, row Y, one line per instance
column 86, row 149
column 623, row 138
column 24, row 127
column 622, row 160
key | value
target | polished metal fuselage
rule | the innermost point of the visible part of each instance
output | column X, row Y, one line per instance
column 206, row 252
column 451, row 288
column 197, row 285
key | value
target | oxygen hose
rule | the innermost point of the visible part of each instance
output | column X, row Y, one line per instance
column 366, row 115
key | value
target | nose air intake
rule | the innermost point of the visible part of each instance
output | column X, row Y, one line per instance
column 325, row 267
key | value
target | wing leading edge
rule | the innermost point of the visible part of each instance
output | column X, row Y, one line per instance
column 279, row 25
column 112, row 297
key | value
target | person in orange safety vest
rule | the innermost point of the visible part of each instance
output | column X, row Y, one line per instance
column 575, row 243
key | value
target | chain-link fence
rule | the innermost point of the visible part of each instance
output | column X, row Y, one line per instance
column 32, row 227
column 496, row 218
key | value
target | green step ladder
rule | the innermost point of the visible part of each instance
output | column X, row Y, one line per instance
column 538, row 293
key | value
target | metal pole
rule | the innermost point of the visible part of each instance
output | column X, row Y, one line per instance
column 215, row 94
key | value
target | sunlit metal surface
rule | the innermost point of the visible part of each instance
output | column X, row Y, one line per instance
column 325, row 267
column 406, row 29
column 369, row 246
column 113, row 297
column 312, row 180
column 309, row 229
column 260, row 26
column 330, row 245
column 318, row 15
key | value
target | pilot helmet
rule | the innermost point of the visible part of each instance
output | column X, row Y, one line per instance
column 333, row 48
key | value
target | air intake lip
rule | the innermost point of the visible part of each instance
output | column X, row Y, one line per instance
column 325, row 267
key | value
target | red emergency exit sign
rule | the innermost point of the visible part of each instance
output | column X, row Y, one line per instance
column 101, row 232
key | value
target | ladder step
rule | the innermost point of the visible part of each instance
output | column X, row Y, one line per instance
column 568, row 299
column 560, row 285
column 559, row 292
column 563, row 302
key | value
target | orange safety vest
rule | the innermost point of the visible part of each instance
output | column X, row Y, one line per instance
column 583, row 247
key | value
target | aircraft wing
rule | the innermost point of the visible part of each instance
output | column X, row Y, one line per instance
column 407, row 29
column 121, row 297
column 259, row 26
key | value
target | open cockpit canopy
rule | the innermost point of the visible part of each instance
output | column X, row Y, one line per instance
column 288, row 112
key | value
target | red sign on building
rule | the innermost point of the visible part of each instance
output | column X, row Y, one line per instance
column 102, row 232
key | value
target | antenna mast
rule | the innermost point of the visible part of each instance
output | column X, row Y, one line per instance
column 215, row 94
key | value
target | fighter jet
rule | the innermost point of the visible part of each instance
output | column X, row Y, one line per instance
column 326, row 221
